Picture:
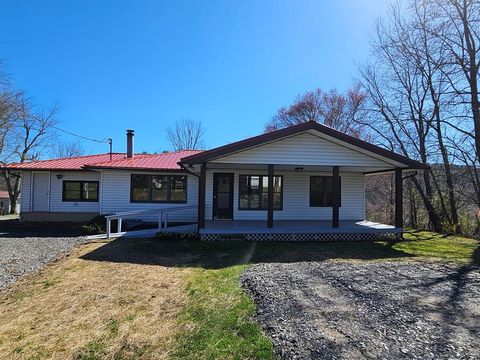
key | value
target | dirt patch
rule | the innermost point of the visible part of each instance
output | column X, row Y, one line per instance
column 387, row 310
column 77, row 308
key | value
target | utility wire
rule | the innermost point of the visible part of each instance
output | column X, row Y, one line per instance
column 105, row 141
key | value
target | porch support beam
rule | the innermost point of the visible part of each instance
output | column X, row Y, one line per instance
column 398, row 198
column 201, row 196
column 270, row 197
column 336, row 197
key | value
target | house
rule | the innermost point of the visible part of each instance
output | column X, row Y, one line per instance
column 5, row 203
column 305, row 182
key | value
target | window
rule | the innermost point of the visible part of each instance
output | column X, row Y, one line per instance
column 321, row 191
column 253, row 192
column 158, row 188
column 80, row 191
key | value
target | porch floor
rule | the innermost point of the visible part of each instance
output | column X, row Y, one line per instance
column 295, row 226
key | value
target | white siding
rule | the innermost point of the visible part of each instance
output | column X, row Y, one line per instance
column 303, row 149
column 56, row 189
column 116, row 196
column 25, row 191
column 296, row 197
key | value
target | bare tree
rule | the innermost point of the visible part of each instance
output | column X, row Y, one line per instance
column 431, row 56
column 187, row 134
column 336, row 110
column 10, row 111
column 67, row 150
column 423, row 92
column 457, row 26
column 29, row 136
column 398, row 89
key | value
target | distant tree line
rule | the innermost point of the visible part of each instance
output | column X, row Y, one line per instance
column 418, row 96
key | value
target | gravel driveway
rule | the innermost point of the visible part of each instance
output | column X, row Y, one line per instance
column 386, row 310
column 24, row 250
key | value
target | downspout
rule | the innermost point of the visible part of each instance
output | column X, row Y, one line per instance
column 182, row 166
column 101, row 192
column 188, row 170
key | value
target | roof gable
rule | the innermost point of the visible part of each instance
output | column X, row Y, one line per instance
column 338, row 137
column 304, row 149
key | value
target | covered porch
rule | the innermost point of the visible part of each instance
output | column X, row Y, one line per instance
column 340, row 216
column 306, row 182
column 339, row 219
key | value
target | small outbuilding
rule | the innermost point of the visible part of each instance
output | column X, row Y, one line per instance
column 5, row 203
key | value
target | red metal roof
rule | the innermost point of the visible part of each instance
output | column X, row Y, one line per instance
column 73, row 163
column 4, row 194
column 164, row 161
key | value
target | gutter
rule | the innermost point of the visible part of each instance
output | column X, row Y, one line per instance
column 97, row 168
column 393, row 170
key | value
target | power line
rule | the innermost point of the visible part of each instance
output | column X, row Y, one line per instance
column 105, row 141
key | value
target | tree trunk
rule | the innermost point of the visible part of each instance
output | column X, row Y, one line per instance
column 476, row 114
column 433, row 217
column 13, row 205
column 449, row 181
column 471, row 69
column 13, row 188
column 413, row 207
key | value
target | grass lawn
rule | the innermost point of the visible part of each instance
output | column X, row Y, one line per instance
column 150, row 299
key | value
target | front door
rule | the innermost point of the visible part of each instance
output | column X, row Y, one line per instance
column 41, row 184
column 222, row 196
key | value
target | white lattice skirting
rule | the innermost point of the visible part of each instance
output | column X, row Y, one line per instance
column 301, row 237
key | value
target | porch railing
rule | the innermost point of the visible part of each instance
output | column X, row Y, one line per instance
column 162, row 217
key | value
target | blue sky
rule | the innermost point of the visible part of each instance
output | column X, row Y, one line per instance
column 113, row 65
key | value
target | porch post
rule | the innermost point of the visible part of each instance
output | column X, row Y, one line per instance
column 398, row 198
column 201, row 196
column 270, row 197
column 336, row 197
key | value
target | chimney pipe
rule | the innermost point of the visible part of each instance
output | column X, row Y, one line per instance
column 130, row 151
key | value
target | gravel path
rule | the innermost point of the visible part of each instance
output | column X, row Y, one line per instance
column 386, row 310
column 22, row 252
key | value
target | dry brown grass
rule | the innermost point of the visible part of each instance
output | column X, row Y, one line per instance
column 83, row 309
